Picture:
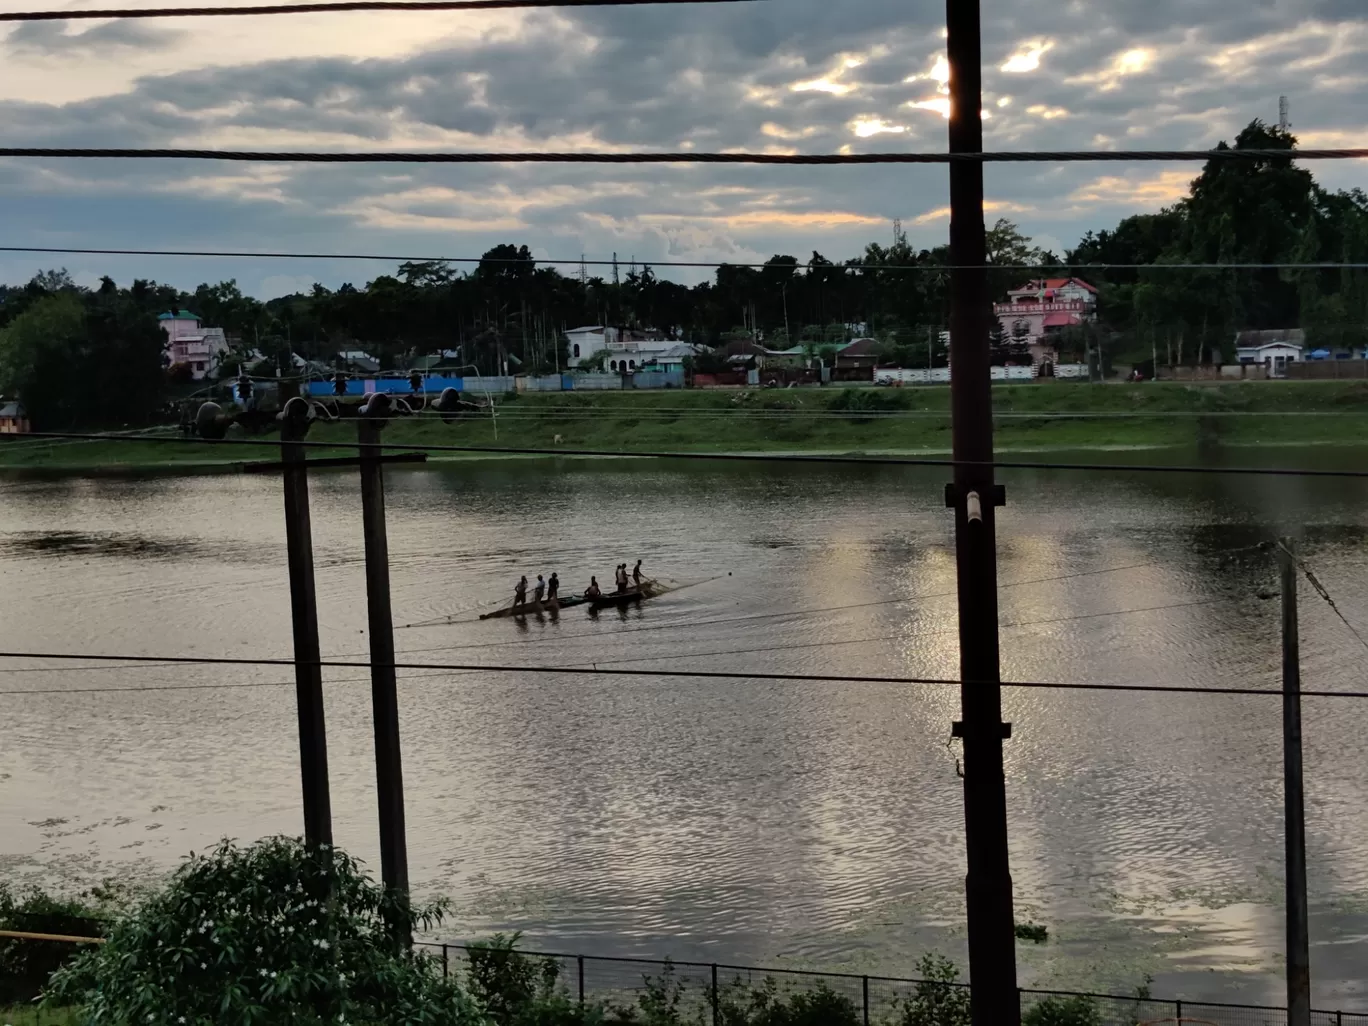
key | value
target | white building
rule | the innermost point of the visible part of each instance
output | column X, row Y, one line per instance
column 627, row 350
column 1273, row 350
column 188, row 342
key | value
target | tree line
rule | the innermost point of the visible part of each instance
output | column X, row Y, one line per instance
column 508, row 311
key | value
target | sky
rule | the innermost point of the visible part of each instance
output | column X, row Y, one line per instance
column 785, row 76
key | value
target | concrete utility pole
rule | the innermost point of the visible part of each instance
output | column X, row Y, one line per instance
column 974, row 496
column 313, row 742
column 1294, row 805
column 389, row 773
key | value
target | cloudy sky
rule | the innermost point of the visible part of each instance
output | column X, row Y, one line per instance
column 782, row 75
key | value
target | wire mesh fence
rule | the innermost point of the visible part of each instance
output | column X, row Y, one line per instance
column 719, row 994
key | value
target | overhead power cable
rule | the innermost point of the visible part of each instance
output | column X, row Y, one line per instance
column 590, row 670
column 735, row 457
column 835, row 268
column 338, row 7
column 1323, row 592
column 678, row 157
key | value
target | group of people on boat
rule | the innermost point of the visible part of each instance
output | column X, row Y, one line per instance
column 621, row 577
column 544, row 589
column 548, row 590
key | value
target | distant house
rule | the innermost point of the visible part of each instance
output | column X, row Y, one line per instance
column 862, row 352
column 188, row 342
column 14, row 418
column 629, row 349
column 673, row 358
column 1272, row 349
column 1044, row 307
column 357, row 361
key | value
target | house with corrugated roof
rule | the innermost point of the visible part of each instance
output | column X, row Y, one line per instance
column 13, row 418
column 1273, row 349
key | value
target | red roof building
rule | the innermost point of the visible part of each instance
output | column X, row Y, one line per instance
column 1043, row 307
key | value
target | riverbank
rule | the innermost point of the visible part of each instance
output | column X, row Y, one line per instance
column 1064, row 415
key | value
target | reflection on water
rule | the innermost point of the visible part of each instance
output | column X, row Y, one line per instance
column 745, row 820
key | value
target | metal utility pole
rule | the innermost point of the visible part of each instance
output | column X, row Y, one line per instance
column 1294, row 806
column 313, row 741
column 975, row 496
column 389, row 772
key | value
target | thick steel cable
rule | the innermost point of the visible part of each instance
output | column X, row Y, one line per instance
column 340, row 6
column 590, row 671
column 734, row 457
column 838, row 268
column 427, row 157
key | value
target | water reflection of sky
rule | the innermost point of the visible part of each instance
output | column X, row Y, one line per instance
column 752, row 821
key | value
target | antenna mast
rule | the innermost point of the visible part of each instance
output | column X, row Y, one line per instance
column 1284, row 123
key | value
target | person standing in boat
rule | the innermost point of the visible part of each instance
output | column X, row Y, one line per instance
column 520, row 591
column 593, row 591
column 552, row 587
column 539, row 590
column 636, row 574
column 620, row 575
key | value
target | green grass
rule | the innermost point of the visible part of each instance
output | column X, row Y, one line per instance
column 1062, row 415
column 31, row 1016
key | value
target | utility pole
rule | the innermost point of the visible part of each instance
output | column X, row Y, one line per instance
column 313, row 742
column 974, row 495
column 389, row 774
column 1294, row 805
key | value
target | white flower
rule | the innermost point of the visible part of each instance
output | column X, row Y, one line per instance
column 180, row 1019
column 273, row 976
column 204, row 965
column 258, row 949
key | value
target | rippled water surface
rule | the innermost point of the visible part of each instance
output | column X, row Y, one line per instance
column 813, row 824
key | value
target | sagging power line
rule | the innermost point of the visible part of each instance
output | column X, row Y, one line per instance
column 795, row 458
column 711, row 264
column 589, row 670
column 677, row 157
column 334, row 7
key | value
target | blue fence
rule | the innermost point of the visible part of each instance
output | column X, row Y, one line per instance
column 434, row 384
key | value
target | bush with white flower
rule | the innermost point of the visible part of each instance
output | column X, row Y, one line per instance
column 274, row 932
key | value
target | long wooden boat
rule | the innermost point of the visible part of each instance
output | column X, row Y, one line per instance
column 609, row 599
column 533, row 608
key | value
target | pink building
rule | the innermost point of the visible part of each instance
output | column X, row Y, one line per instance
column 189, row 343
column 1044, row 307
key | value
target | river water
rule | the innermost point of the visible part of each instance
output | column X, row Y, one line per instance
column 795, row 824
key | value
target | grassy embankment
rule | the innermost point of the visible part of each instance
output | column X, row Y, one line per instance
column 913, row 420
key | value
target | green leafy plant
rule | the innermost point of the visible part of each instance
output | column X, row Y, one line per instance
column 274, row 932
column 938, row 999
column 509, row 984
column 1031, row 932
column 744, row 1004
column 25, row 965
column 1063, row 1011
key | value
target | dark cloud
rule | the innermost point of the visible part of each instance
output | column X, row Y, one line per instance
column 52, row 38
column 1112, row 73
